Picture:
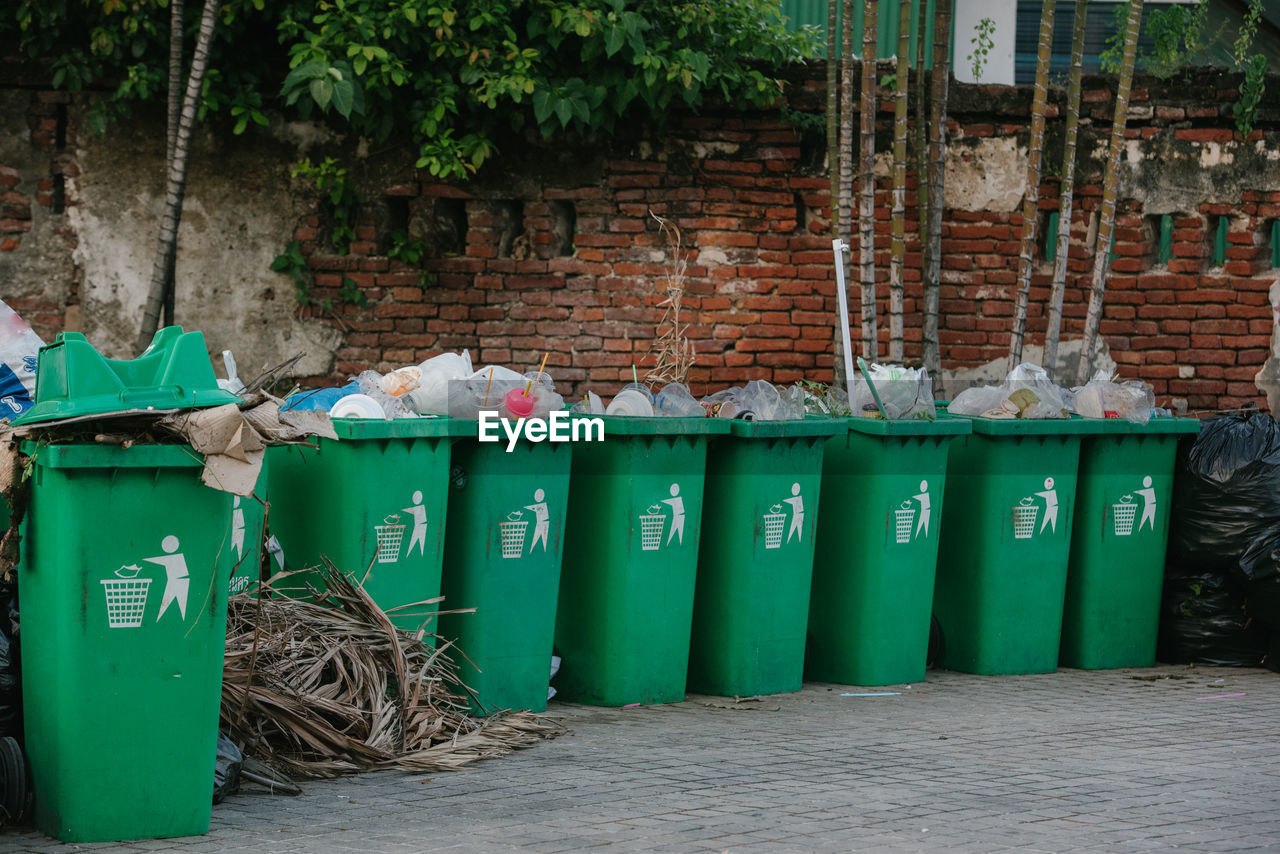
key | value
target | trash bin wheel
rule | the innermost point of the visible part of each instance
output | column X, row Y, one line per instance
column 13, row 781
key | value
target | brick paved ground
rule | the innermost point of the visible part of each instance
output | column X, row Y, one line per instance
column 1134, row 760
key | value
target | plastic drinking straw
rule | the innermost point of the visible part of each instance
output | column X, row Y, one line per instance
column 529, row 387
column 634, row 377
column 866, row 375
column 487, row 387
column 838, row 247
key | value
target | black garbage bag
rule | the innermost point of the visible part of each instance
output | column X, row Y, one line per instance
column 1204, row 620
column 1227, row 499
column 10, row 692
column 10, row 668
column 226, row 770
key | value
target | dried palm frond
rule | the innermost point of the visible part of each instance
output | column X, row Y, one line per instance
column 329, row 687
column 673, row 351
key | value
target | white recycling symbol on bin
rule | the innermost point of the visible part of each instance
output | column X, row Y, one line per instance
column 653, row 522
column 775, row 520
column 907, row 525
column 126, row 594
column 1125, row 510
column 1027, row 511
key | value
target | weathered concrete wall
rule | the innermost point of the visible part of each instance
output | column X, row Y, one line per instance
column 95, row 254
column 553, row 247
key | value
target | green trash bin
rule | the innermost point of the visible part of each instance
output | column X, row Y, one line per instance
column 373, row 502
column 755, row 563
column 1116, row 572
column 123, row 585
column 248, row 531
column 882, row 494
column 1006, row 536
column 502, row 557
column 630, row 560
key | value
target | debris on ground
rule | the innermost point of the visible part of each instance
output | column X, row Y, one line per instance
column 327, row 686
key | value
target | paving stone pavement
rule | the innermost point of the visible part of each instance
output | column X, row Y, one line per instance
column 1126, row 760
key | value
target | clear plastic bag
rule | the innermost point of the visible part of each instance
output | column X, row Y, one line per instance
column 905, row 392
column 1027, row 392
column 1102, row 397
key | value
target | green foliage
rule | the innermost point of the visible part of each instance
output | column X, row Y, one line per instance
column 982, row 42
column 341, row 201
column 1176, row 33
column 804, row 122
column 294, row 264
column 411, row 251
column 1254, row 68
column 351, row 294
column 1113, row 54
column 1250, row 95
column 451, row 76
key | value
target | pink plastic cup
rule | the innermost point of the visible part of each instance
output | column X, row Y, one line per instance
column 518, row 404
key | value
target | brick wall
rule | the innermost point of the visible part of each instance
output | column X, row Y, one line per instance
column 553, row 248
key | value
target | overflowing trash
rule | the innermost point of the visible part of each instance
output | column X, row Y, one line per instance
column 1222, row 581
column 1027, row 392
column 893, row 392
column 1102, row 397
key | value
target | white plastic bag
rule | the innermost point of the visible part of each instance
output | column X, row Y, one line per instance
column 19, row 349
column 1102, row 397
column 1027, row 392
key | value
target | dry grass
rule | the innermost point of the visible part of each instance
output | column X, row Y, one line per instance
column 672, row 351
column 331, row 687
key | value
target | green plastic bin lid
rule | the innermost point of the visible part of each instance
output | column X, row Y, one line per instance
column 74, row 380
column 404, row 428
column 639, row 425
column 1160, row 426
column 943, row 425
column 793, row 429
column 96, row 456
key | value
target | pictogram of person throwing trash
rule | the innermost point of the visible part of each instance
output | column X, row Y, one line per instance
column 1148, row 494
column 797, row 513
column 237, row 529
column 1050, row 496
column 541, row 519
column 419, row 514
column 923, row 498
column 178, row 582
column 677, row 514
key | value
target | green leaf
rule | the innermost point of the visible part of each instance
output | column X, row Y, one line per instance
column 564, row 112
column 321, row 92
column 343, row 97
column 542, row 106
column 614, row 39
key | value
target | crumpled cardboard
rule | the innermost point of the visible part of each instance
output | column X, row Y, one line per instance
column 233, row 441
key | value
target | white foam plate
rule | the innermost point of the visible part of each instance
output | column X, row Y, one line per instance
column 630, row 402
column 356, row 406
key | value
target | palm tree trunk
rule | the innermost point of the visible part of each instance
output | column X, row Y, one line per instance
column 835, row 59
column 1066, row 192
column 174, row 114
column 846, row 159
column 937, row 173
column 1031, row 203
column 922, row 123
column 898, row 252
column 867, row 182
column 167, row 245
column 1107, row 217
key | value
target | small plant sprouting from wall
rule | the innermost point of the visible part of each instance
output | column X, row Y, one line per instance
column 982, row 42
column 341, row 201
